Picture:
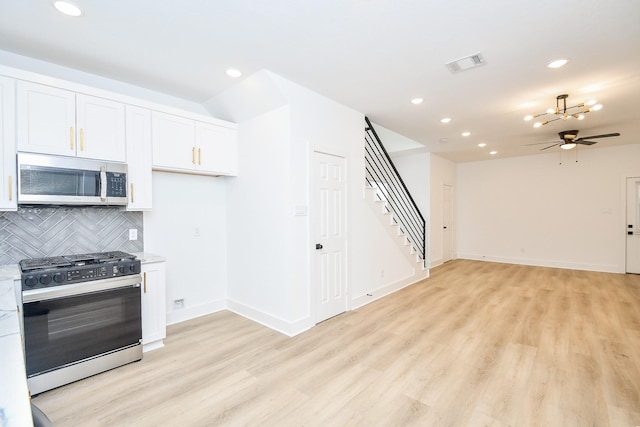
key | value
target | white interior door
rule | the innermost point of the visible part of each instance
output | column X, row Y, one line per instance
column 328, row 221
column 447, row 223
column 633, row 225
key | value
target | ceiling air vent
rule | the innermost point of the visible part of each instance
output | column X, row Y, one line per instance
column 466, row 63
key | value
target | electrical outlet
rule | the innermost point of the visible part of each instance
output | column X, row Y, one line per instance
column 133, row 234
column 178, row 303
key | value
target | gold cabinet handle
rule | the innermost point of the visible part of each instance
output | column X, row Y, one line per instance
column 132, row 194
column 145, row 282
column 199, row 156
column 10, row 188
column 71, row 138
column 193, row 155
column 81, row 139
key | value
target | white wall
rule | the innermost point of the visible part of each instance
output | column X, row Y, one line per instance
column 188, row 226
column 259, row 211
column 531, row 210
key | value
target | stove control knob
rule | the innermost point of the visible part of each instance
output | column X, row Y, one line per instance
column 132, row 267
column 45, row 279
column 31, row 281
column 121, row 269
column 58, row 277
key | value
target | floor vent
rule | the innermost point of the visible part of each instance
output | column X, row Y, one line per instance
column 466, row 63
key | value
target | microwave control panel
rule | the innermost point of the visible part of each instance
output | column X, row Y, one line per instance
column 116, row 184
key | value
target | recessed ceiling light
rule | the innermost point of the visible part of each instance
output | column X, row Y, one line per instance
column 482, row 144
column 417, row 101
column 67, row 7
column 232, row 72
column 557, row 63
column 445, row 119
column 443, row 140
column 467, row 133
column 493, row 152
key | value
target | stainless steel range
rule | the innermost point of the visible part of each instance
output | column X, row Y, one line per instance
column 81, row 316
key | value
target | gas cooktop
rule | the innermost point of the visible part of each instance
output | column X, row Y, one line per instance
column 33, row 264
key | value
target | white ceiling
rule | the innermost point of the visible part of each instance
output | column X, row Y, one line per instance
column 371, row 55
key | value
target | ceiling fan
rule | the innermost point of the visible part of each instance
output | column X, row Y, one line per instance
column 569, row 139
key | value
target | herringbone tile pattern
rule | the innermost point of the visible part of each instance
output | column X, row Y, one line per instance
column 49, row 231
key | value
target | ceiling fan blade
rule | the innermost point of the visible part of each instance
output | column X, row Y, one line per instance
column 606, row 135
column 540, row 143
column 557, row 143
column 583, row 142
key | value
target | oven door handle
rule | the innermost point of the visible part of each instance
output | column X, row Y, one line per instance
column 44, row 294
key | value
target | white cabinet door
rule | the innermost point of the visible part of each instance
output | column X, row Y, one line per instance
column 100, row 128
column 8, row 177
column 154, row 316
column 217, row 149
column 173, row 142
column 46, row 119
column 138, row 125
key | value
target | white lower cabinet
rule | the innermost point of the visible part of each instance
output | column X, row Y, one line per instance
column 154, row 315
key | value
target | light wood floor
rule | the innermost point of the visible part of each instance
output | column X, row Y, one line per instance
column 477, row 344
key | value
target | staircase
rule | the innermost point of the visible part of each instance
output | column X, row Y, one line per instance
column 388, row 192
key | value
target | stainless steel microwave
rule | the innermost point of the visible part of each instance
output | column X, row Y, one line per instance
column 59, row 180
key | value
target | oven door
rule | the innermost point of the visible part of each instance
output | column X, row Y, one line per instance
column 73, row 323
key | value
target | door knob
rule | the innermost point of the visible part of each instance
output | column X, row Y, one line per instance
column 318, row 246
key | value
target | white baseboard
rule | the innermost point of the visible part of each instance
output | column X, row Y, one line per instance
column 372, row 296
column 188, row 313
column 283, row 326
column 604, row 268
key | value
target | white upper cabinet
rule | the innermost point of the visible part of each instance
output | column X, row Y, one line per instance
column 101, row 128
column 217, row 148
column 184, row 145
column 57, row 121
column 174, row 141
column 8, row 177
column 138, row 158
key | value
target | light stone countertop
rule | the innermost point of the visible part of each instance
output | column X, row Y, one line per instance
column 15, row 409
column 148, row 258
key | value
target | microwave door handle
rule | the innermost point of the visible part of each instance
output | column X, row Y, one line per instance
column 103, row 183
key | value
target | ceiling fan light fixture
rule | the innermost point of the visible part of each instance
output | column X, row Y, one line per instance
column 537, row 124
column 596, row 107
column 591, row 102
column 568, row 145
column 528, row 118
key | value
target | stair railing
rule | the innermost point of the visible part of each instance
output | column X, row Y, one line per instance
column 382, row 175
